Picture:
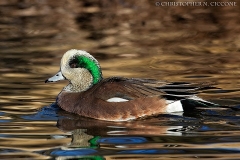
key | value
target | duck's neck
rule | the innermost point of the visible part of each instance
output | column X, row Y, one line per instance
column 82, row 83
column 79, row 86
column 76, row 88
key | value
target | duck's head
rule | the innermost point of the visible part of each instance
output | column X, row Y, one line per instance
column 80, row 68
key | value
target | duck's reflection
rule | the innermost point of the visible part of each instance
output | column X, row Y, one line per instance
column 90, row 133
column 146, row 127
column 163, row 132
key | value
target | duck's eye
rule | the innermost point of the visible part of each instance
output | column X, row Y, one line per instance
column 73, row 65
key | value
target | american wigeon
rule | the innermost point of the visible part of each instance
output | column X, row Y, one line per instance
column 117, row 98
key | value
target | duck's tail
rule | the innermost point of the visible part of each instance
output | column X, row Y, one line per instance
column 182, row 96
column 195, row 102
column 179, row 104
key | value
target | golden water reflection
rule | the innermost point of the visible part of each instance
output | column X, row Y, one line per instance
column 25, row 93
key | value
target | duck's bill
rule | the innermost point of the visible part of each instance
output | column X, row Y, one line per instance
column 56, row 77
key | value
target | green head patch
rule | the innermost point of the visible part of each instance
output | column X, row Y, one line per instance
column 80, row 61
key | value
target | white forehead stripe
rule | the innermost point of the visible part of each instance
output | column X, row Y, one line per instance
column 117, row 99
column 71, row 53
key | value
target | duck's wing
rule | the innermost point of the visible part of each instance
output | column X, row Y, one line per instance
column 125, row 88
column 184, row 89
column 132, row 88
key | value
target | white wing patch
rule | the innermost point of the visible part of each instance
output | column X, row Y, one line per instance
column 117, row 99
column 174, row 106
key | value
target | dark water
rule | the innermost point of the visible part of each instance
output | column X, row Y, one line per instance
column 154, row 44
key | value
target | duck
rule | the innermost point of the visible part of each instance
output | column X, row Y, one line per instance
column 90, row 95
